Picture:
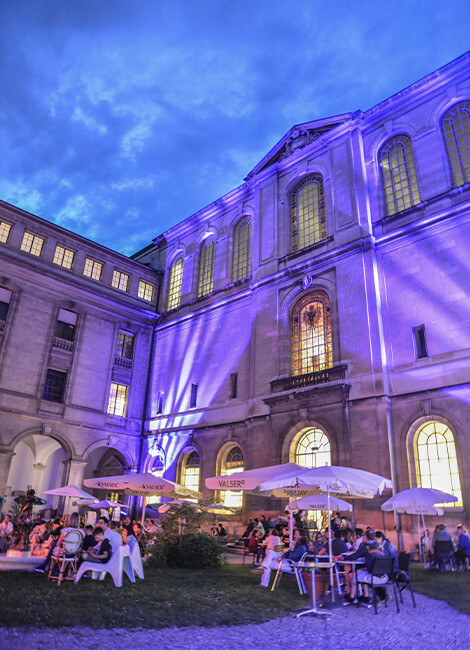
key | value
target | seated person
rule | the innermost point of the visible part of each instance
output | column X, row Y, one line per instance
column 221, row 531
column 37, row 536
column 100, row 553
column 255, row 548
column 271, row 561
column 387, row 548
column 6, row 531
column 338, row 545
column 150, row 528
column 367, row 551
column 89, row 540
column 441, row 535
column 463, row 547
column 318, row 547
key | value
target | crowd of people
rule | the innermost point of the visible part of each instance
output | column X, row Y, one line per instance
column 457, row 553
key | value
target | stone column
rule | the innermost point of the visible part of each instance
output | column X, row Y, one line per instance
column 74, row 471
column 6, row 456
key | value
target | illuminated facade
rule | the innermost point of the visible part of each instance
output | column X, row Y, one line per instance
column 321, row 310
column 317, row 313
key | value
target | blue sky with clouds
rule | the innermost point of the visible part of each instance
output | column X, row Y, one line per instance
column 120, row 118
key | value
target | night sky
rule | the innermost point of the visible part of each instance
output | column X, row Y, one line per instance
column 121, row 118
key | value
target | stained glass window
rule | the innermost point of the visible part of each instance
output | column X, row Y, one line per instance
column 242, row 250
column 206, row 269
column 312, row 348
column 308, row 224
column 399, row 175
column 456, row 130
column 436, row 460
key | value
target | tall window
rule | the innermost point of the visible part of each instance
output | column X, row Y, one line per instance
column 191, row 471
column 117, row 403
column 120, row 280
column 242, row 250
column 307, row 211
column 174, row 285
column 5, row 298
column 66, row 325
column 456, row 130
column 399, row 175
column 312, row 449
column 125, row 345
column 232, row 465
column 312, row 348
column 4, row 231
column 436, row 460
column 63, row 257
column 32, row 244
column 92, row 269
column 54, row 386
column 206, row 268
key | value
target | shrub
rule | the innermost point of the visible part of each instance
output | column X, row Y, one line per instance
column 190, row 550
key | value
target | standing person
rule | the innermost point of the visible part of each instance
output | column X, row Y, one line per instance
column 463, row 547
column 265, row 525
column 221, row 532
column 6, row 531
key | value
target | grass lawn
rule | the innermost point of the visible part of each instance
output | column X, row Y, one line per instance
column 167, row 597
column 454, row 588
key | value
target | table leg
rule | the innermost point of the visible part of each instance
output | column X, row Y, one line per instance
column 314, row 609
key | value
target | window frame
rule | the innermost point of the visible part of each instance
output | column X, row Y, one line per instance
column 117, row 278
column 241, row 255
column 115, row 399
column 296, row 347
column 93, row 262
column 63, row 385
column 145, row 285
column 205, row 277
column 315, row 221
column 66, row 251
column 457, row 160
column 4, row 237
column 396, row 174
column 33, row 244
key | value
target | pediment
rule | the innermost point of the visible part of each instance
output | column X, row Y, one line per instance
column 299, row 136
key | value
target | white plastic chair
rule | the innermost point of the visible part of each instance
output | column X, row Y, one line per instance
column 119, row 563
column 136, row 558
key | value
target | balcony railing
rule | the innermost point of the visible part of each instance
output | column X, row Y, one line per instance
column 63, row 344
column 122, row 361
column 310, row 379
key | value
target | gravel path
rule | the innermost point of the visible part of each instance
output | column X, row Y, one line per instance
column 433, row 624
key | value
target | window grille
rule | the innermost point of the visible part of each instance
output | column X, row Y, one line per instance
column 242, row 250
column 308, row 222
column 312, row 348
column 436, row 460
column 233, row 464
column 54, row 386
column 4, row 231
column 125, row 345
column 206, row 269
column 191, row 471
column 120, row 280
column 32, row 244
column 174, row 286
column 313, row 449
column 63, row 257
column 399, row 179
column 117, row 404
column 145, row 290
column 92, row 269
column 456, row 130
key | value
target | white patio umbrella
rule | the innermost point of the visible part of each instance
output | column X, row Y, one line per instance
column 251, row 479
column 72, row 492
column 105, row 503
column 418, row 501
column 144, row 484
column 319, row 502
column 331, row 478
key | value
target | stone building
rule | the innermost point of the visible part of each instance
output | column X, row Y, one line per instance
column 76, row 323
column 320, row 311
column 317, row 313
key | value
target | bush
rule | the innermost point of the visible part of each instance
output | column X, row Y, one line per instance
column 189, row 550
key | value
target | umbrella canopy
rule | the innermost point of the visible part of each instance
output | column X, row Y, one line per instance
column 330, row 478
column 176, row 503
column 97, row 505
column 71, row 491
column 417, row 497
column 432, row 511
column 319, row 502
column 249, row 479
column 144, row 484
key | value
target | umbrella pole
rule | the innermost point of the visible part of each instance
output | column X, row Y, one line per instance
column 144, row 501
column 419, row 541
column 291, row 520
column 330, row 549
column 425, row 535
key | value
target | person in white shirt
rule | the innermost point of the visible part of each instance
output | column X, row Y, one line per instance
column 110, row 532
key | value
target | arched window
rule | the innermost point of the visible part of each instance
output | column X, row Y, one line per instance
column 312, row 348
column 174, row 285
column 242, row 250
column 233, row 464
column 436, row 460
column 456, row 130
column 206, row 268
column 399, row 175
column 191, row 471
column 158, row 464
column 307, row 210
column 311, row 449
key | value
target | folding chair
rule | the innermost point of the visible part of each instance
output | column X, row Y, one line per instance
column 285, row 566
column 382, row 575
column 403, row 576
column 67, row 557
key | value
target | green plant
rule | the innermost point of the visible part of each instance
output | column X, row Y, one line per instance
column 194, row 550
